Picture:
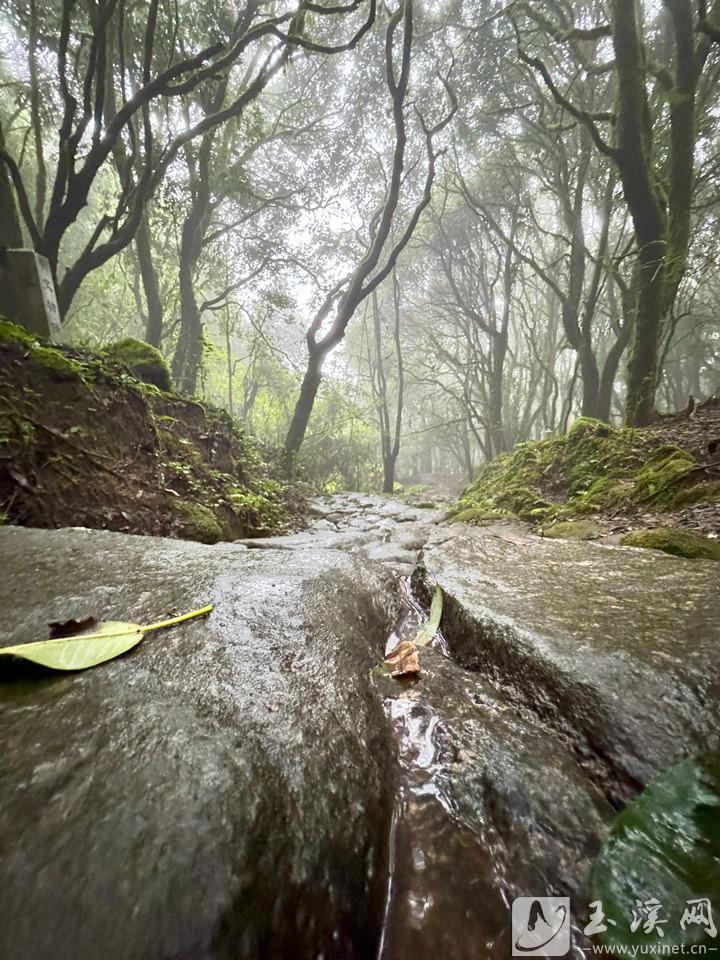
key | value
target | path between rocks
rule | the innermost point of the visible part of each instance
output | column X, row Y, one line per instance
column 247, row 787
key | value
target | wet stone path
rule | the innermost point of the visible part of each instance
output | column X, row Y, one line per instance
column 248, row 786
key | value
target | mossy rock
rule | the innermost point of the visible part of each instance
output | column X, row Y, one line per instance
column 573, row 530
column 198, row 522
column 587, row 427
column 679, row 543
column 477, row 515
column 595, row 467
column 145, row 362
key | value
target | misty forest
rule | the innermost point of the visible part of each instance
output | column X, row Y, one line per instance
column 359, row 479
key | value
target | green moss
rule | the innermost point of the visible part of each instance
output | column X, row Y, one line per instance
column 60, row 364
column 477, row 515
column 602, row 493
column 15, row 334
column 511, row 484
column 43, row 353
column 594, row 467
column 573, row 530
column 698, row 493
column 679, row 543
column 657, row 482
column 145, row 362
column 198, row 521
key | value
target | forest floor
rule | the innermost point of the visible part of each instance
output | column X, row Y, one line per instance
column 84, row 442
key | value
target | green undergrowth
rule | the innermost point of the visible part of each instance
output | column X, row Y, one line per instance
column 85, row 440
column 592, row 469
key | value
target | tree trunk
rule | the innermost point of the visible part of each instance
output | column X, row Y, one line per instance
column 188, row 353
column 389, row 473
column 642, row 367
column 495, row 399
column 154, row 325
column 590, row 376
column 305, row 403
column 10, row 229
column 623, row 323
column 608, row 376
column 634, row 160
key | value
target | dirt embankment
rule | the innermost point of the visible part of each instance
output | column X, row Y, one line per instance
column 83, row 442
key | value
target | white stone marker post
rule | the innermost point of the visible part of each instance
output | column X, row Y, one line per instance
column 27, row 293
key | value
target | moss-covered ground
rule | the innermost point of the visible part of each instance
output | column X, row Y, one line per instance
column 594, row 471
column 679, row 543
column 86, row 441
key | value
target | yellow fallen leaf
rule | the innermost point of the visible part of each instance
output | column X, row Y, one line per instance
column 106, row 641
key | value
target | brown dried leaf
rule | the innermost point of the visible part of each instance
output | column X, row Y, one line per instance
column 71, row 628
column 404, row 660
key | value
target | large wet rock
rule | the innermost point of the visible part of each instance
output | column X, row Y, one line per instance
column 615, row 649
column 222, row 791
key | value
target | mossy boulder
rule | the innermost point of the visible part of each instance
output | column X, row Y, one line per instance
column 679, row 543
column 573, row 530
column 144, row 361
column 593, row 468
column 477, row 515
column 198, row 522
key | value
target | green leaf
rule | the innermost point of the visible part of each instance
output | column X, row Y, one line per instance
column 83, row 651
column 106, row 641
column 429, row 629
column 664, row 845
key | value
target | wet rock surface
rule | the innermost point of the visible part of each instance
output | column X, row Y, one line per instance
column 388, row 532
column 223, row 790
column 270, row 796
column 614, row 649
